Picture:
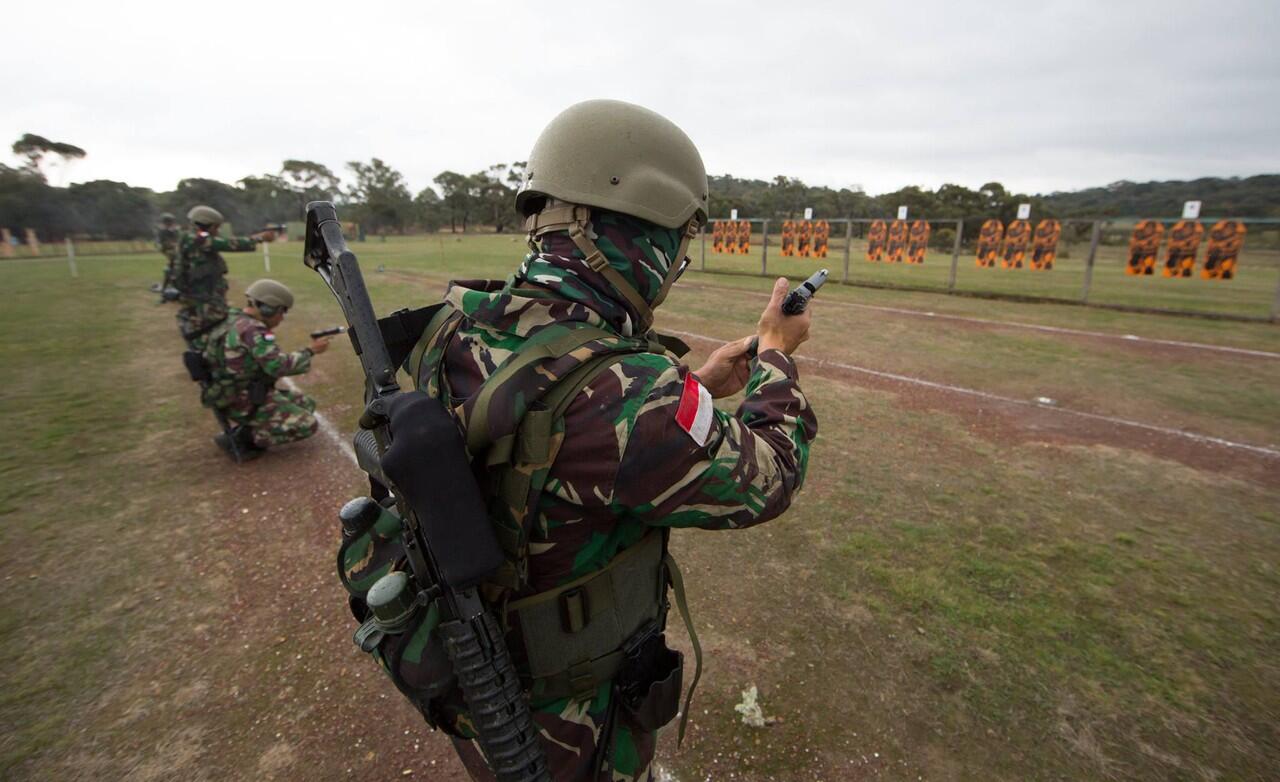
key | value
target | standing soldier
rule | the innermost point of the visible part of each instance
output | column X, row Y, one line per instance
column 585, row 490
column 245, row 362
column 201, row 274
column 167, row 235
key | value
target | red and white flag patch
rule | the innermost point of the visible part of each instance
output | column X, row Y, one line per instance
column 696, row 411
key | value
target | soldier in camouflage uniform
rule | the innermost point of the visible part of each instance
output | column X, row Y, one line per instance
column 201, row 274
column 245, row 362
column 643, row 447
column 167, row 235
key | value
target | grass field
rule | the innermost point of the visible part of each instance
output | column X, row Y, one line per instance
column 972, row 585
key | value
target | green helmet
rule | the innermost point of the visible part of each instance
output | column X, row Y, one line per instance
column 620, row 157
column 167, row 217
column 205, row 215
column 270, row 293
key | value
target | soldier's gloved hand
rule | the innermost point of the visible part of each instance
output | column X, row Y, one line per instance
column 319, row 345
column 727, row 368
column 777, row 330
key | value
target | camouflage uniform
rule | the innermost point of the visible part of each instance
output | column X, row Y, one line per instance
column 627, row 464
column 242, row 353
column 167, row 244
column 200, row 275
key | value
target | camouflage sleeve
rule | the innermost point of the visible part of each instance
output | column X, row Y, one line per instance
column 235, row 244
column 274, row 361
column 686, row 465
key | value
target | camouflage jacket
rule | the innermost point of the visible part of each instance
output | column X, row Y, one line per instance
column 201, row 272
column 643, row 445
column 241, row 353
column 167, row 242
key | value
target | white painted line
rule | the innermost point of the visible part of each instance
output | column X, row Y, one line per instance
column 326, row 426
column 1020, row 325
column 1200, row 438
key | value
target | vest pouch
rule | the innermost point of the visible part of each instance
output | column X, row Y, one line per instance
column 258, row 391
column 649, row 684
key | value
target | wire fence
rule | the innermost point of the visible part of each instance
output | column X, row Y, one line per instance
column 1089, row 268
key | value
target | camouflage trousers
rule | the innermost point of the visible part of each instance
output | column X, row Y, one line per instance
column 286, row 417
column 570, row 731
column 197, row 316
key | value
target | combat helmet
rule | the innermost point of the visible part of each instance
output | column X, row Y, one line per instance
column 167, row 217
column 269, row 296
column 205, row 215
column 621, row 157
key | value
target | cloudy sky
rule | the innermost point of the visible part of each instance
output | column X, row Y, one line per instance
column 1040, row 95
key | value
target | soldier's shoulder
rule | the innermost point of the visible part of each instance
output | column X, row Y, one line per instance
column 251, row 329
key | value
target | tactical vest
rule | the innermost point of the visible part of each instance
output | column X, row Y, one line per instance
column 569, row 640
column 223, row 386
column 573, row 635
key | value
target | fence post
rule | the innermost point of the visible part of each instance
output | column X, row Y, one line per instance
column 266, row 256
column 703, row 231
column 1088, row 263
column 1275, row 305
column 71, row 257
column 848, row 244
column 764, row 249
column 955, row 257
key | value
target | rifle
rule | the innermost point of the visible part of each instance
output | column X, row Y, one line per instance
column 446, row 533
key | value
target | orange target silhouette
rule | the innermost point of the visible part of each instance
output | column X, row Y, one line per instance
column 1044, row 244
column 1144, row 247
column 788, row 238
column 1222, row 256
column 989, row 239
column 1184, row 243
column 897, row 243
column 744, row 237
column 717, row 236
column 877, row 234
column 917, row 241
column 1014, row 251
column 821, row 238
column 804, row 239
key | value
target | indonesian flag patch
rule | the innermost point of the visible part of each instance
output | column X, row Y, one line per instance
column 695, row 413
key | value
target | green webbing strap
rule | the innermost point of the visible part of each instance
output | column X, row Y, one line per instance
column 677, row 586
column 478, row 439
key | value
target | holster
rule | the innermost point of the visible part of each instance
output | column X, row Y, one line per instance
column 649, row 683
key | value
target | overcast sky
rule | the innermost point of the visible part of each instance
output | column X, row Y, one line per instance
column 1038, row 95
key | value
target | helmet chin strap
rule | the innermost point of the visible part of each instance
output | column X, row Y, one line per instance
column 560, row 216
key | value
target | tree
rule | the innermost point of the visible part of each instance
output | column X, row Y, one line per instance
column 34, row 148
column 310, row 181
column 455, row 190
column 381, row 199
column 428, row 210
column 111, row 210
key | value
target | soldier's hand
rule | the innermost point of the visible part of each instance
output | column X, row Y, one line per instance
column 727, row 369
column 779, row 331
column 319, row 345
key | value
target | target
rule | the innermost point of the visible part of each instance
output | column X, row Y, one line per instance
column 1184, row 243
column 989, row 239
column 743, row 237
column 804, row 239
column 897, row 243
column 1144, row 247
column 1044, row 244
column 1222, row 256
column 788, row 238
column 877, row 234
column 717, row 236
column 1014, row 250
column 821, row 238
column 917, row 241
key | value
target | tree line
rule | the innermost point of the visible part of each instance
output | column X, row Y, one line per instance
column 378, row 197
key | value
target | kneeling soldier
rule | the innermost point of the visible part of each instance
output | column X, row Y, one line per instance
column 245, row 362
